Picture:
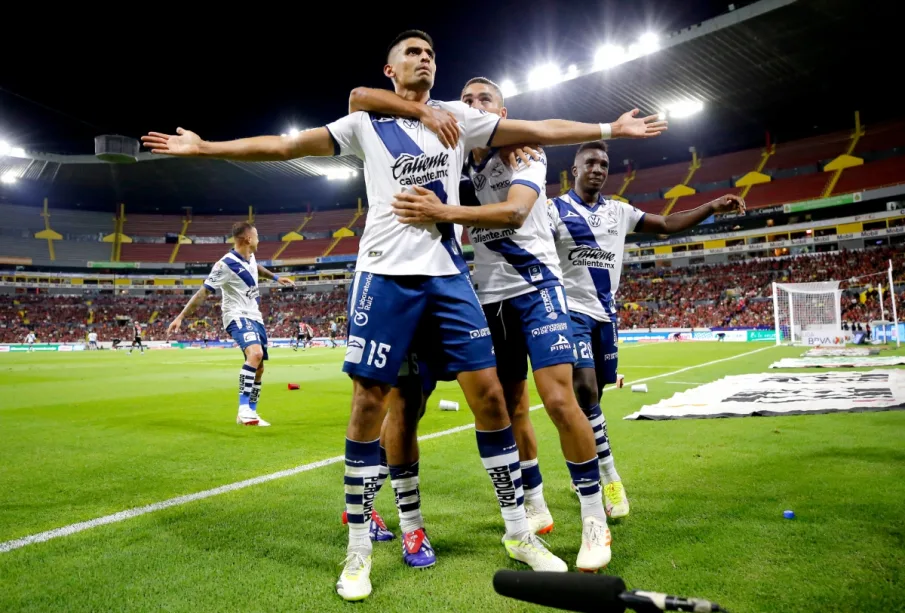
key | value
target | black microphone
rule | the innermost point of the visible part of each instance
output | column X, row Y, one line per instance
column 591, row 593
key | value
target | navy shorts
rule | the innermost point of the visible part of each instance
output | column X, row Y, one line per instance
column 534, row 325
column 597, row 346
column 248, row 332
column 386, row 311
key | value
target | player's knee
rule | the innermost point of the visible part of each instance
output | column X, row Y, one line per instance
column 561, row 406
column 254, row 354
column 491, row 400
column 368, row 399
column 585, row 391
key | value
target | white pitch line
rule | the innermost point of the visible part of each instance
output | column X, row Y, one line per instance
column 232, row 487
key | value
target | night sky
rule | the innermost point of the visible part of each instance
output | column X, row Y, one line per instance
column 241, row 74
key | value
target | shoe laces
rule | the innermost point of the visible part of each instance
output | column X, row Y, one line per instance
column 532, row 511
column 614, row 491
column 354, row 564
column 532, row 541
column 595, row 533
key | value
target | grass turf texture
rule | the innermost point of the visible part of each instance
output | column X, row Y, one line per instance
column 89, row 434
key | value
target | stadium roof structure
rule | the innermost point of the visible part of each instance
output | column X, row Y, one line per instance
column 793, row 67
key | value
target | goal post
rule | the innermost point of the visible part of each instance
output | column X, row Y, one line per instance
column 803, row 313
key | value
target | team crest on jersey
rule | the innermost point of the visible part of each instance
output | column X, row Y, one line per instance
column 480, row 182
column 611, row 219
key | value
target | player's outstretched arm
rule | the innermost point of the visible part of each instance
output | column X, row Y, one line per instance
column 564, row 132
column 440, row 122
column 193, row 303
column 263, row 272
column 671, row 224
column 423, row 207
column 184, row 143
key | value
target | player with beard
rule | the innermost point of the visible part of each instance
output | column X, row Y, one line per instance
column 413, row 275
column 590, row 232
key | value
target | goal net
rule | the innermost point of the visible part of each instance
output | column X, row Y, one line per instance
column 808, row 313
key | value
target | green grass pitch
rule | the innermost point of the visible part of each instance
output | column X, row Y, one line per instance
column 86, row 435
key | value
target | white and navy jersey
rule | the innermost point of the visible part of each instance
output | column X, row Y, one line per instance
column 137, row 328
column 237, row 279
column 30, row 338
column 399, row 154
column 92, row 337
column 590, row 240
column 508, row 262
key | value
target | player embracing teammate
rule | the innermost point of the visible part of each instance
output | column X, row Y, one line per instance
column 412, row 281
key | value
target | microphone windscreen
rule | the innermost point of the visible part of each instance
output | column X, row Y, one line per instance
column 567, row 591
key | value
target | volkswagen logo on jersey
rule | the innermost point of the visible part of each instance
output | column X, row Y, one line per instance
column 594, row 221
column 411, row 124
column 480, row 182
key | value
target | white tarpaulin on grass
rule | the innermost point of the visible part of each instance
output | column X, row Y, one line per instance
column 840, row 362
column 849, row 352
column 770, row 394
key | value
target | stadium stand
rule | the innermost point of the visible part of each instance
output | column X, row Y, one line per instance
column 146, row 252
column 725, row 167
column 307, row 248
column 889, row 171
column 75, row 253
column 139, row 224
column 734, row 294
column 67, row 318
column 792, row 189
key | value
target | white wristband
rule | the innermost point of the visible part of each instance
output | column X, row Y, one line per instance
column 606, row 131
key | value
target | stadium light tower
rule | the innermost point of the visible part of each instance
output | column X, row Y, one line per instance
column 543, row 76
column 508, row 88
column 608, row 56
column 684, row 108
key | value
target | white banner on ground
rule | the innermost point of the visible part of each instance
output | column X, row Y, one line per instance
column 771, row 394
column 840, row 362
column 848, row 352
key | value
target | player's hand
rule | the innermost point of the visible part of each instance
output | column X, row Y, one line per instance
column 422, row 207
column 183, row 143
column 442, row 123
column 629, row 125
column 730, row 203
column 521, row 153
column 174, row 326
column 285, row 281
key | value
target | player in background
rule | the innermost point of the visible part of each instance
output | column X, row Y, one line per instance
column 519, row 285
column 236, row 275
column 301, row 336
column 30, row 340
column 590, row 232
column 334, row 329
column 92, row 341
column 408, row 275
column 136, row 340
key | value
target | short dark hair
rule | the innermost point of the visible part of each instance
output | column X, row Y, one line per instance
column 487, row 82
column 410, row 34
column 241, row 227
column 600, row 145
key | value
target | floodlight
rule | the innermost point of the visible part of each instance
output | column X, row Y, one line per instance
column 545, row 75
column 684, row 108
column 508, row 88
column 608, row 56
